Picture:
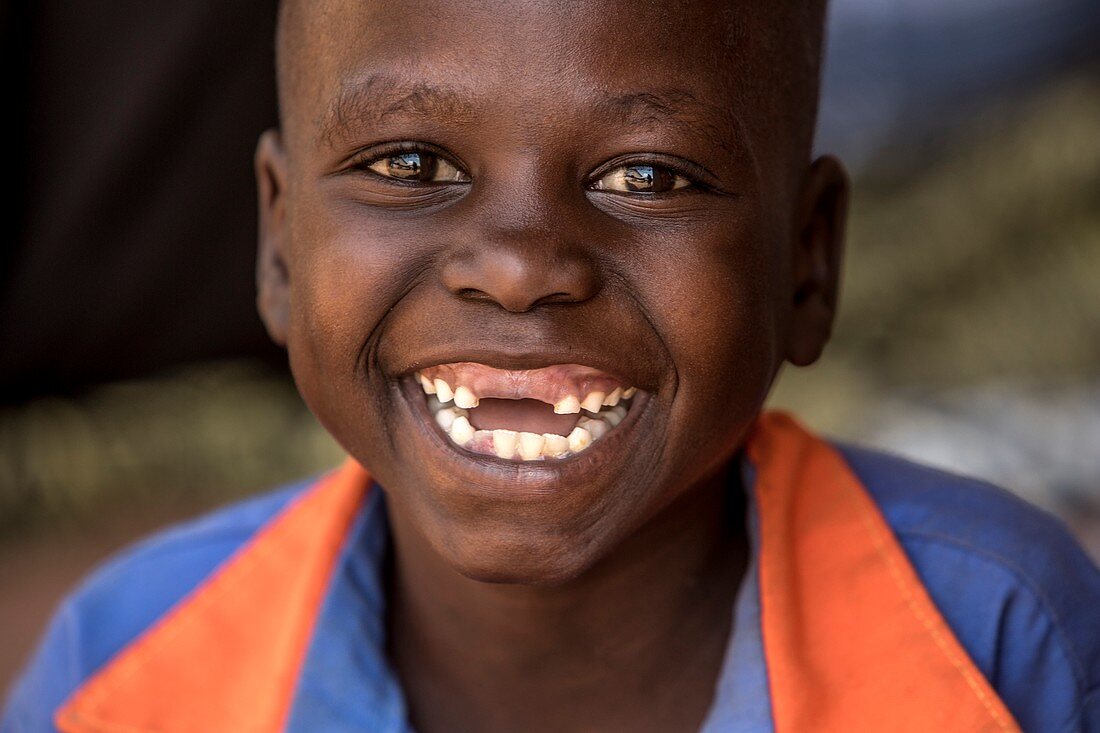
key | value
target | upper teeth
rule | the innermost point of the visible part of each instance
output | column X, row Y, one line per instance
column 593, row 401
column 567, row 405
column 443, row 391
column 464, row 398
column 603, row 412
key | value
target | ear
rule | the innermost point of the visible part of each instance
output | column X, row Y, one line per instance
column 816, row 260
column 272, row 274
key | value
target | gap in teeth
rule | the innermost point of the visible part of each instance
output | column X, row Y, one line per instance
column 599, row 414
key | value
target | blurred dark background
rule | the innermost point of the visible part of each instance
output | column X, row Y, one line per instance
column 133, row 222
column 137, row 386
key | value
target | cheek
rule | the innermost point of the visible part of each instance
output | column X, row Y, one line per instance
column 721, row 322
column 345, row 275
column 730, row 340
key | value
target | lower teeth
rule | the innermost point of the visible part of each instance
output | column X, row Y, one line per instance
column 524, row 446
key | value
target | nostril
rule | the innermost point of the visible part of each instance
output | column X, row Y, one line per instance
column 471, row 294
column 512, row 304
column 518, row 278
column 559, row 297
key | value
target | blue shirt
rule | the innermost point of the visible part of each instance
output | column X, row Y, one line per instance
column 1020, row 595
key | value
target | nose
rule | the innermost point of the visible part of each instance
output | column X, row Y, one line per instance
column 521, row 268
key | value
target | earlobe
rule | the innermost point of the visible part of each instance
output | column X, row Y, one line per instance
column 816, row 260
column 272, row 275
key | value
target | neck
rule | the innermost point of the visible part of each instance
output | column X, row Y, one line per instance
column 595, row 653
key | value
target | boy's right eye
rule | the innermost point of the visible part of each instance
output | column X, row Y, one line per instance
column 415, row 166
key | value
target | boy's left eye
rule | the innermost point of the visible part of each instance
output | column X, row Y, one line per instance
column 641, row 178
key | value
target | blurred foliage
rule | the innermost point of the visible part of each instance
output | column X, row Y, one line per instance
column 982, row 266
column 192, row 439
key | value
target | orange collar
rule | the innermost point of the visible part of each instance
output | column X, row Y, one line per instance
column 852, row 640
column 227, row 657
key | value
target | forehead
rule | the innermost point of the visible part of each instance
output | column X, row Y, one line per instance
column 631, row 61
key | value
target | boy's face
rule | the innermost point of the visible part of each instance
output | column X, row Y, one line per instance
column 606, row 184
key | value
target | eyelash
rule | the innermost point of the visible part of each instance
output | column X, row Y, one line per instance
column 690, row 171
column 362, row 160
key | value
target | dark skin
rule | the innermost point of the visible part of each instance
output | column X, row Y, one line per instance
column 593, row 592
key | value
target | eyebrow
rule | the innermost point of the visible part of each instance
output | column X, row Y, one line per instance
column 379, row 96
column 679, row 107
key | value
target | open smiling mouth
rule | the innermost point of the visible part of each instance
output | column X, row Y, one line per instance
column 551, row 412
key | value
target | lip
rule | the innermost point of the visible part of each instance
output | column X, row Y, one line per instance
column 528, row 361
column 522, row 479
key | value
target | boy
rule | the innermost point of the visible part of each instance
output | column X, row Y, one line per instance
column 536, row 266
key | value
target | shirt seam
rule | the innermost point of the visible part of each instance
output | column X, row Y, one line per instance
column 905, row 585
column 1083, row 705
column 1022, row 577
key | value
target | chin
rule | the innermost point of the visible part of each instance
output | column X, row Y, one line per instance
column 505, row 560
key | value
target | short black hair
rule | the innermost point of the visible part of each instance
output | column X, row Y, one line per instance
column 787, row 50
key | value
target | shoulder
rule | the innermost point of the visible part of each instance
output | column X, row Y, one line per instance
column 1017, row 589
column 136, row 587
column 125, row 596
